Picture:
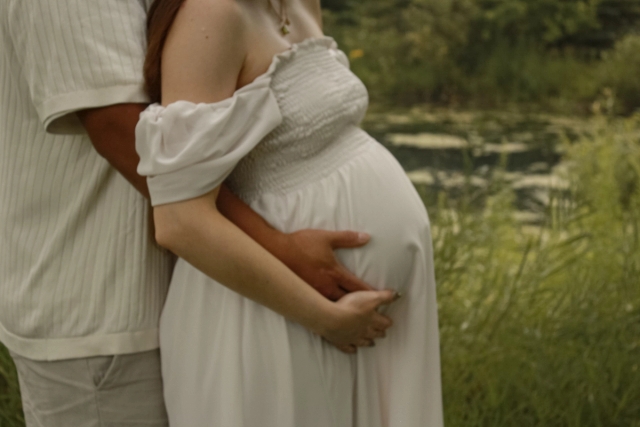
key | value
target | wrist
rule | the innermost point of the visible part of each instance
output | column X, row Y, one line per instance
column 326, row 318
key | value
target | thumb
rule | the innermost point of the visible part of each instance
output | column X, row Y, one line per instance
column 387, row 296
column 348, row 239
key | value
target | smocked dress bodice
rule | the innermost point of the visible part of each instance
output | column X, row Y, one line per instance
column 290, row 146
column 287, row 126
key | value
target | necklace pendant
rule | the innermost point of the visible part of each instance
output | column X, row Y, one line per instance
column 284, row 29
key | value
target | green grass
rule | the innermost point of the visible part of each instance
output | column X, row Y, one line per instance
column 10, row 407
column 540, row 326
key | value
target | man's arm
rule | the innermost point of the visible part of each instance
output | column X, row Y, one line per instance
column 308, row 253
column 112, row 133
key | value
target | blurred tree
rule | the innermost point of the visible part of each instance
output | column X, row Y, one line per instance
column 336, row 5
column 617, row 18
column 412, row 51
column 535, row 21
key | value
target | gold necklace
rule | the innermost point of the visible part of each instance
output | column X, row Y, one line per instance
column 283, row 15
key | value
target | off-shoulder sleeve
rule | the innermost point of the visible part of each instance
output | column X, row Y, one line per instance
column 339, row 55
column 187, row 149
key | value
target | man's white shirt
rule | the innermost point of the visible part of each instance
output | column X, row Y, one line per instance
column 80, row 274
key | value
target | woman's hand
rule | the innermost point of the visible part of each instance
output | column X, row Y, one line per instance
column 356, row 321
column 196, row 231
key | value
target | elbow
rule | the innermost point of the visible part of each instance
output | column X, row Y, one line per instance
column 165, row 239
column 179, row 226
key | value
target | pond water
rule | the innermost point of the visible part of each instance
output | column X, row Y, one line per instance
column 457, row 152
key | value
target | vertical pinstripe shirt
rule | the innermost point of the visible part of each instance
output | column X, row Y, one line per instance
column 80, row 274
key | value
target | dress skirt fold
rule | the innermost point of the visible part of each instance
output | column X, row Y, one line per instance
column 259, row 370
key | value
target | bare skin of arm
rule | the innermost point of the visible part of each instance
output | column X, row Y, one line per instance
column 195, row 229
column 309, row 253
column 203, row 61
column 112, row 133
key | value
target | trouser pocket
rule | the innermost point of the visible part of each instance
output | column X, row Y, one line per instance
column 102, row 369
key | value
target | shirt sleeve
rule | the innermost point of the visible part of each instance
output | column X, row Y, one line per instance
column 186, row 149
column 78, row 54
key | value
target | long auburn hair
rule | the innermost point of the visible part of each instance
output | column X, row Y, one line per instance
column 161, row 15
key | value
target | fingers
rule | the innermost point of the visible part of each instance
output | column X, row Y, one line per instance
column 369, row 339
column 348, row 239
column 349, row 349
column 376, row 333
column 387, row 296
column 328, row 287
column 384, row 297
column 350, row 282
column 335, row 293
column 381, row 322
column 386, row 303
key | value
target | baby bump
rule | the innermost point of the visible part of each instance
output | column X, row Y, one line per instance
column 368, row 193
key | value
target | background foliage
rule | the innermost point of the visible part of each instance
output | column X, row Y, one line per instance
column 540, row 326
column 549, row 54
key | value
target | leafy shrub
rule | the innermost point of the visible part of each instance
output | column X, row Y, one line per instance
column 543, row 54
column 10, row 406
column 622, row 71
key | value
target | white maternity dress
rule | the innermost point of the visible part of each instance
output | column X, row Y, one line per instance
column 290, row 146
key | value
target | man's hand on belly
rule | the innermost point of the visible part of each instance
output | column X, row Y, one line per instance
column 310, row 254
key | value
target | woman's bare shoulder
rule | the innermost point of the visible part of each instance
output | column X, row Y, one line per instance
column 212, row 10
column 204, row 51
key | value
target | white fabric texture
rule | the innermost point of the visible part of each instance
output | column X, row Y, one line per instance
column 76, row 54
column 80, row 273
column 228, row 361
column 177, row 153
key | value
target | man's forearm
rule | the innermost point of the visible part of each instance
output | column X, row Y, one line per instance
column 112, row 133
column 196, row 231
column 249, row 221
column 309, row 253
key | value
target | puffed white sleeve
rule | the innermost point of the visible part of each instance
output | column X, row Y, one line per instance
column 187, row 149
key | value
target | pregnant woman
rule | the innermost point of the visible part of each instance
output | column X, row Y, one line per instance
column 253, row 94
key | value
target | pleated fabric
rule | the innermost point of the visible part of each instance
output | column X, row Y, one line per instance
column 80, row 272
column 228, row 361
